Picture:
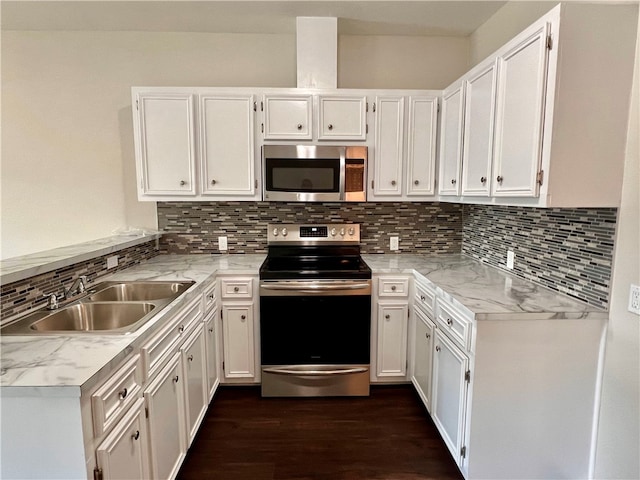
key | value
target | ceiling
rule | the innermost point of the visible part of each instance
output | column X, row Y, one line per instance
column 457, row 18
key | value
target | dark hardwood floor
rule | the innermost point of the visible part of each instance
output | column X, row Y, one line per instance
column 387, row 435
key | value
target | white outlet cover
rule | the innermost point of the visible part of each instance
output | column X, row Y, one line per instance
column 222, row 244
column 393, row 243
column 112, row 262
column 510, row 259
column 634, row 299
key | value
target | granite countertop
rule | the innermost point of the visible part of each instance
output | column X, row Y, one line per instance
column 70, row 364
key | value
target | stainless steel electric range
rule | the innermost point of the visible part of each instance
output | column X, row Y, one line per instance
column 315, row 312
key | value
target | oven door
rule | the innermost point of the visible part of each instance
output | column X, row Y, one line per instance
column 315, row 338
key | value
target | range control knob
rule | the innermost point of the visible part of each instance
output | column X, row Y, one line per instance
column 352, row 231
column 333, row 232
column 275, row 232
column 284, row 232
column 342, row 232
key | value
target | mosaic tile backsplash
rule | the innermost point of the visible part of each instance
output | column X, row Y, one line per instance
column 194, row 227
column 26, row 294
column 567, row 250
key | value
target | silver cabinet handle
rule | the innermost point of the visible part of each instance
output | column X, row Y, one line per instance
column 123, row 394
column 314, row 373
column 136, row 435
column 182, row 183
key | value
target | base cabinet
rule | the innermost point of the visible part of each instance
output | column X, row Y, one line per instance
column 421, row 363
column 124, row 453
column 195, row 375
column 167, row 425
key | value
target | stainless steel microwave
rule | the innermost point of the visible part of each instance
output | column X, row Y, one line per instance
column 314, row 173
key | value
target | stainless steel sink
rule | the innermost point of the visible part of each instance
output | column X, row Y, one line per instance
column 93, row 316
column 137, row 291
column 107, row 307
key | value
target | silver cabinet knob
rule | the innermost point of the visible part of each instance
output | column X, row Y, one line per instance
column 213, row 182
column 190, row 358
column 243, row 317
column 428, row 335
column 483, row 180
column 453, row 181
column 393, row 288
column 499, row 178
column 136, row 435
column 236, row 289
column 182, row 183
column 393, row 182
column 387, row 317
column 416, row 182
column 211, row 296
column 123, row 393
column 299, row 126
column 211, row 330
column 449, row 322
column 175, row 379
column 330, row 127
column 181, row 328
column 437, row 348
column 423, row 298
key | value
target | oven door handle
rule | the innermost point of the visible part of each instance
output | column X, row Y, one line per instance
column 314, row 373
column 304, row 287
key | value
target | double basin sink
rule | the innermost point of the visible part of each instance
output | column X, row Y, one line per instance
column 107, row 307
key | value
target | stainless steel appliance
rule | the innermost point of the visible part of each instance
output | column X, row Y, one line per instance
column 315, row 312
column 314, row 173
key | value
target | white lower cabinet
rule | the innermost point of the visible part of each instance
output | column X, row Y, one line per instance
column 194, row 362
column 450, row 366
column 167, row 425
column 211, row 344
column 392, row 340
column 124, row 452
column 421, row 362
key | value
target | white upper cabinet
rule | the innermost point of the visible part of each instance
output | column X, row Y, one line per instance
column 388, row 146
column 520, row 114
column 164, row 124
column 479, row 112
column 342, row 117
column 451, row 124
column 227, row 145
column 554, row 132
column 288, row 117
column 421, row 146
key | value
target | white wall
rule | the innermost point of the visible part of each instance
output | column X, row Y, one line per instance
column 67, row 137
column 618, row 445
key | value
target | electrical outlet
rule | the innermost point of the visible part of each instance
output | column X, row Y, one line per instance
column 112, row 262
column 510, row 259
column 634, row 299
column 222, row 244
column 393, row 244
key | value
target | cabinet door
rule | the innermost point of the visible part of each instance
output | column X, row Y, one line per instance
column 479, row 116
column 211, row 335
column 238, row 341
column 421, row 146
column 194, row 362
column 123, row 454
column 520, row 114
column 449, row 394
column 166, row 139
column 227, row 145
column 167, row 426
column 451, row 125
column 392, row 340
column 342, row 118
column 422, row 358
column 287, row 117
column 388, row 146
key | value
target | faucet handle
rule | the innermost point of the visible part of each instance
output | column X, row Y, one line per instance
column 52, row 303
column 82, row 285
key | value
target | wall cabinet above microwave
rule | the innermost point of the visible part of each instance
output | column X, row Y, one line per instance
column 336, row 117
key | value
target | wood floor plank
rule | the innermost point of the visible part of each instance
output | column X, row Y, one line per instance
column 386, row 436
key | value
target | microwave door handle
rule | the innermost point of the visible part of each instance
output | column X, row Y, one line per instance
column 343, row 173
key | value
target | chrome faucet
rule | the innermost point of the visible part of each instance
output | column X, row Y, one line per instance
column 77, row 287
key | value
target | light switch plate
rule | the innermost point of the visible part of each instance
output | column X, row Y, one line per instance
column 112, row 262
column 510, row 259
column 393, row 243
column 634, row 299
column 222, row 244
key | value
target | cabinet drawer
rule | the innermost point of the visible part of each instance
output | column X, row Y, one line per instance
column 393, row 287
column 115, row 396
column 424, row 298
column 454, row 323
column 210, row 297
column 156, row 350
column 236, row 287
